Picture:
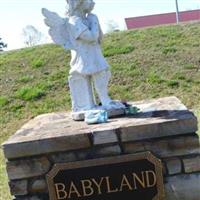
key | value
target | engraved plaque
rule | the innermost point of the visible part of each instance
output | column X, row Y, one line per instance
column 128, row 177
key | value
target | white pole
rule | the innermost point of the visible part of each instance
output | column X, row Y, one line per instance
column 177, row 12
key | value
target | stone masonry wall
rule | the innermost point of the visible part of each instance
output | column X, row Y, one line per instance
column 180, row 157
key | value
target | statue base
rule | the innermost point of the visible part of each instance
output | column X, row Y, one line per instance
column 165, row 127
column 80, row 116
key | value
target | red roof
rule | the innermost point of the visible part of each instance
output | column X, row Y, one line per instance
column 167, row 18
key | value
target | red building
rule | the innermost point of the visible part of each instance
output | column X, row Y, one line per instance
column 167, row 18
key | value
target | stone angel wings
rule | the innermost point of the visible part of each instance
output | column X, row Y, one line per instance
column 58, row 28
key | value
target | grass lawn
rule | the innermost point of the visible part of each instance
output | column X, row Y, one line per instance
column 146, row 63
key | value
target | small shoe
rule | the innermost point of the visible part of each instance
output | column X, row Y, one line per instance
column 96, row 116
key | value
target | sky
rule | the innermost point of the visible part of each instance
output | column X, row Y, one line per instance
column 17, row 14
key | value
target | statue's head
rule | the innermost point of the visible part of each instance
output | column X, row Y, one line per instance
column 79, row 5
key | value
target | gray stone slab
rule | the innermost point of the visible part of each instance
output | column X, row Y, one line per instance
column 19, row 188
column 192, row 164
column 158, row 118
column 99, row 152
column 160, row 123
column 27, row 168
column 29, row 198
column 63, row 157
column 46, row 133
column 166, row 147
column 38, row 186
column 58, row 132
column 108, row 151
column 174, row 166
column 183, row 187
column 104, row 137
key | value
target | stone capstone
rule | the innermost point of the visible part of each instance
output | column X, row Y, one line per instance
column 57, row 132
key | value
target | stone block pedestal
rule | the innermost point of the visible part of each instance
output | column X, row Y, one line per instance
column 164, row 127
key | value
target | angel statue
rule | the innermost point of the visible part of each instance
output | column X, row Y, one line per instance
column 80, row 32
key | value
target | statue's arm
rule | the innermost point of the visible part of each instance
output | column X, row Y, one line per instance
column 92, row 33
column 89, row 35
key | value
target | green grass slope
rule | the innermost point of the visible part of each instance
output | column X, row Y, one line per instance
column 146, row 63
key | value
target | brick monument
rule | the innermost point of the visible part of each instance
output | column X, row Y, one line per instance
column 164, row 127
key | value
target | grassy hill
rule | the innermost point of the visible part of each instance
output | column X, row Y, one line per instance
column 146, row 63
